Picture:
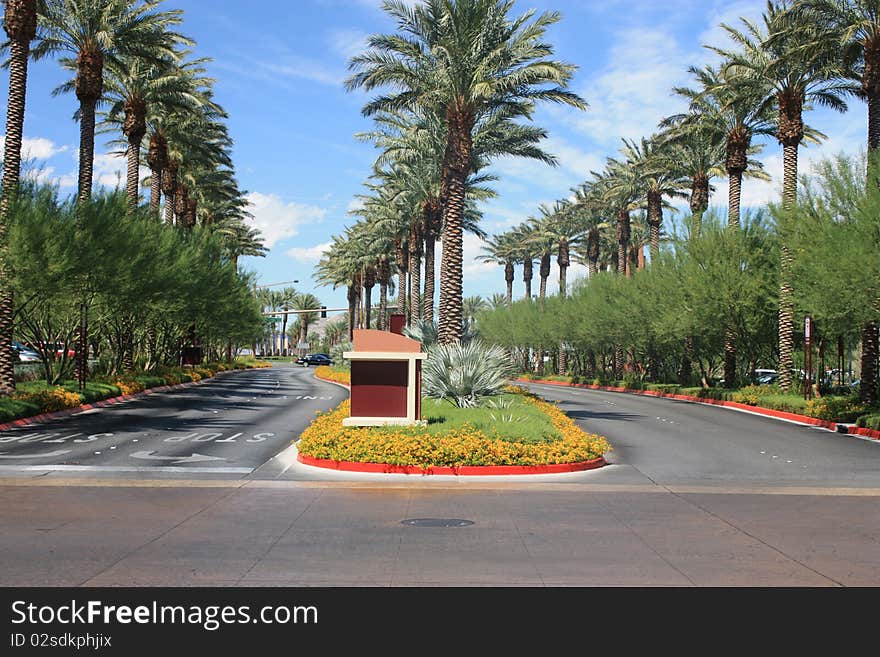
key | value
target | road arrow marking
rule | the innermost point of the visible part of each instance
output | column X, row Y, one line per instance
column 195, row 458
column 59, row 452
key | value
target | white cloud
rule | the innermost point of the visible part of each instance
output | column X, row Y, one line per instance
column 634, row 92
column 277, row 220
column 310, row 254
column 348, row 43
column 35, row 148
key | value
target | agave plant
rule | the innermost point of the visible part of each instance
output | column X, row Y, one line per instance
column 337, row 350
column 428, row 333
column 465, row 372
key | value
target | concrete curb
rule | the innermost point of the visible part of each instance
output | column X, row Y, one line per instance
column 756, row 410
column 111, row 401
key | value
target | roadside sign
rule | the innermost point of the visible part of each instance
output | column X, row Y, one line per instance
column 302, row 345
column 808, row 326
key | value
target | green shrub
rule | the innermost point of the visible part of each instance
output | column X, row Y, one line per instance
column 869, row 422
column 12, row 409
column 665, row 388
column 752, row 395
column 837, row 409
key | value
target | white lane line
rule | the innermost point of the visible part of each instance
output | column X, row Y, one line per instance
column 110, row 468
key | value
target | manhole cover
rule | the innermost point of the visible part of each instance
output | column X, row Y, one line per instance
column 436, row 522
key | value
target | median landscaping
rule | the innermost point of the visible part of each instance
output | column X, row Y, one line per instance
column 512, row 429
column 33, row 398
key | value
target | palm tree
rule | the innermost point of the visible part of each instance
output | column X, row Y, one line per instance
column 590, row 205
column 700, row 155
column 793, row 78
column 303, row 301
column 619, row 188
column 849, row 31
column 97, row 33
column 502, row 250
column 560, row 225
column 20, row 23
column 522, row 237
column 471, row 307
column 661, row 176
column 142, row 92
column 729, row 107
column 464, row 60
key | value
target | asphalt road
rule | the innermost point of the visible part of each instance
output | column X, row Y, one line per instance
column 228, row 425
column 665, row 441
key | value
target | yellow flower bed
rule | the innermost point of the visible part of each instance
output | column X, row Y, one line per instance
column 49, row 401
column 129, row 387
column 329, row 374
column 326, row 438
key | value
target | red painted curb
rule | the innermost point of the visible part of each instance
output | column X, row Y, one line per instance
column 758, row 410
column 861, row 431
column 463, row 470
column 344, row 385
column 110, row 401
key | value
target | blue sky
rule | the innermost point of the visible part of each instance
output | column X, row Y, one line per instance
column 280, row 67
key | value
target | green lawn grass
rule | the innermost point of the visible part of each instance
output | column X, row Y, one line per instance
column 516, row 420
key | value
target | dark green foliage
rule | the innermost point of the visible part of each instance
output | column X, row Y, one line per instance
column 139, row 275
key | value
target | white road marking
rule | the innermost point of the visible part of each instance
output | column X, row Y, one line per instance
column 57, row 452
column 113, row 468
column 195, row 458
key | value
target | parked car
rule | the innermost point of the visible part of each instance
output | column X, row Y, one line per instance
column 764, row 376
column 24, row 353
column 314, row 359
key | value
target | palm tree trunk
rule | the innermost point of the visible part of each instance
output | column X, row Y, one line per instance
column 623, row 233
column 18, row 69
column 428, row 300
column 155, row 191
column 402, row 276
column 786, row 290
column 528, row 274
column 460, row 124
column 415, row 272
column 734, row 197
column 368, row 305
column 508, row 279
column 383, row 306
column 132, row 179
column 699, row 202
column 352, row 311
column 86, row 150
column 563, row 356
column 655, row 220
column 868, row 388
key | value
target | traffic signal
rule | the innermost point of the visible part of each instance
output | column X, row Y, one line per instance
column 323, row 312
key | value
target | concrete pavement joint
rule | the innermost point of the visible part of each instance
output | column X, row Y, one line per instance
column 221, row 498
column 756, row 538
column 279, row 537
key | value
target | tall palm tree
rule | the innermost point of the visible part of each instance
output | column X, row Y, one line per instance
column 849, row 31
column 729, row 107
column 465, row 60
column 792, row 78
column 619, row 187
column 141, row 91
column 559, row 224
column 20, row 23
column 95, row 33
